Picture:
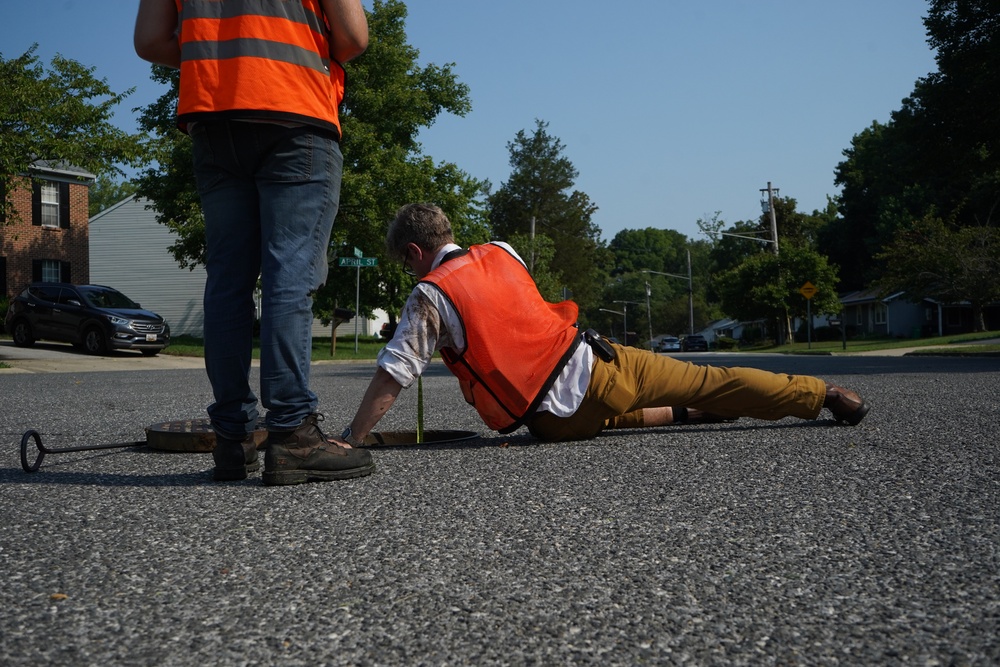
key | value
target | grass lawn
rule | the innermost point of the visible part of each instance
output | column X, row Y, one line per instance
column 368, row 347
column 189, row 346
column 940, row 345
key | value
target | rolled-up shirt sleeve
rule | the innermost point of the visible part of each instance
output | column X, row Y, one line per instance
column 422, row 330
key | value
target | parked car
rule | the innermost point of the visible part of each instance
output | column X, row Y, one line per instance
column 694, row 343
column 92, row 317
column 669, row 344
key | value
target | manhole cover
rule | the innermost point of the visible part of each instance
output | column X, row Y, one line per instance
column 397, row 438
column 190, row 435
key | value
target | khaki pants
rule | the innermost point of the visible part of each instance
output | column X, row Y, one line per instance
column 638, row 379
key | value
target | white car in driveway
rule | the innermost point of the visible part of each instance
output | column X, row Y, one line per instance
column 669, row 344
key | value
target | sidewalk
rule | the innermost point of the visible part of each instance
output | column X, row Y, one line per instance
column 903, row 351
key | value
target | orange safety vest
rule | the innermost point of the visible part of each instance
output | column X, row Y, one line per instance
column 516, row 343
column 263, row 59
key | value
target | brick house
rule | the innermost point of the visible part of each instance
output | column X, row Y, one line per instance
column 50, row 240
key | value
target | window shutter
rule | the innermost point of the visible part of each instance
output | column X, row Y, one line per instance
column 3, row 201
column 64, row 206
column 36, row 270
column 64, row 274
column 3, row 277
column 36, row 203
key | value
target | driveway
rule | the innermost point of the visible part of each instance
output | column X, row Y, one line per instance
column 44, row 357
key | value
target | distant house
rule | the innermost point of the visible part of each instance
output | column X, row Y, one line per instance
column 129, row 251
column 724, row 328
column 867, row 313
column 49, row 240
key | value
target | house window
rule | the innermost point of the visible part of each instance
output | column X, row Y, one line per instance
column 880, row 313
column 50, row 204
column 51, row 271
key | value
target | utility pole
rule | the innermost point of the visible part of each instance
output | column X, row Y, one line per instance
column 690, row 295
column 624, row 314
column 649, row 317
column 774, row 220
column 771, row 191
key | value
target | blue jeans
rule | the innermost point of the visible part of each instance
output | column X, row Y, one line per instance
column 269, row 194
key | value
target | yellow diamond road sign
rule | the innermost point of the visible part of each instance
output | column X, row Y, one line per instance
column 808, row 290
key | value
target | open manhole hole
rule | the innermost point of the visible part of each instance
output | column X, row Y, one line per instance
column 403, row 438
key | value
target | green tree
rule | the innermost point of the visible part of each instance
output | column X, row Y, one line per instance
column 537, row 254
column 641, row 257
column 752, row 282
column 946, row 262
column 766, row 286
column 61, row 115
column 389, row 99
column 107, row 192
column 540, row 194
column 940, row 152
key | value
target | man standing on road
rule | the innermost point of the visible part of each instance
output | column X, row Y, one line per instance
column 260, row 86
column 523, row 361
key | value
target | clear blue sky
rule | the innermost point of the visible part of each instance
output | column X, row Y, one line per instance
column 670, row 110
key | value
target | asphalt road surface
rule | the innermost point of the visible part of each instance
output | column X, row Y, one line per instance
column 750, row 543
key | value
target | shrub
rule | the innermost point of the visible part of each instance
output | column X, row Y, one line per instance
column 725, row 343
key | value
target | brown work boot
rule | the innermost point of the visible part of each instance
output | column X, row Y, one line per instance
column 305, row 455
column 845, row 405
column 234, row 459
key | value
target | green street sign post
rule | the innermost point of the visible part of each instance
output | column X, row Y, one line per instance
column 357, row 261
column 808, row 290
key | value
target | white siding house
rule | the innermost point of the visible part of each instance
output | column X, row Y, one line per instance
column 129, row 251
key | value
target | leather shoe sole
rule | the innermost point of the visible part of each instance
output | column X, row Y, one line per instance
column 846, row 406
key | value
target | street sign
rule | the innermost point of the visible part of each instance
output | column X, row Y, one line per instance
column 808, row 290
column 357, row 261
column 358, row 253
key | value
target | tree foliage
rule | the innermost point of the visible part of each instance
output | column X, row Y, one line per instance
column 643, row 257
column 537, row 254
column 390, row 97
column 168, row 184
column 938, row 155
column 106, row 192
column 751, row 282
column 61, row 116
column 767, row 285
column 540, row 192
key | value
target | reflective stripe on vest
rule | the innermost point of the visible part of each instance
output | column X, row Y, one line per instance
column 516, row 343
column 258, row 59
